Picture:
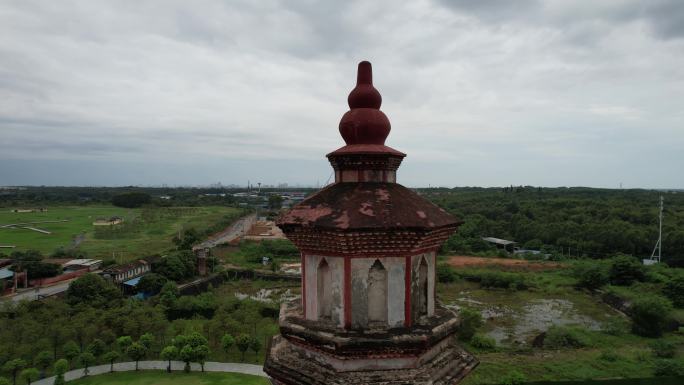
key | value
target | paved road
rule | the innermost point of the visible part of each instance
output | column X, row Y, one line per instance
column 32, row 294
column 225, row 367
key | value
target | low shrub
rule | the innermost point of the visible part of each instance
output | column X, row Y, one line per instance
column 446, row 273
column 591, row 275
column 513, row 378
column 555, row 257
column 482, row 342
column 642, row 355
column 502, row 280
column 471, row 320
column 649, row 315
column 564, row 337
column 609, row 356
column 493, row 278
column 663, row 349
column 616, row 327
column 534, row 256
column 668, row 368
column 625, row 270
column 674, row 290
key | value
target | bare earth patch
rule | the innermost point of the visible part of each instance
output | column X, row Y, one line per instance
column 466, row 261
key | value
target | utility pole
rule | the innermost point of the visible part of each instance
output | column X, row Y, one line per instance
column 659, row 243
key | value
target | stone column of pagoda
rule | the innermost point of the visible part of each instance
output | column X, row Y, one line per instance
column 368, row 245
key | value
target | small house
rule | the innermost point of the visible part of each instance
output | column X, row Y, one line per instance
column 503, row 244
column 122, row 273
column 81, row 264
column 111, row 221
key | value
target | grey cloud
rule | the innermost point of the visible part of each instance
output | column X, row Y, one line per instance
column 665, row 18
column 497, row 10
column 241, row 88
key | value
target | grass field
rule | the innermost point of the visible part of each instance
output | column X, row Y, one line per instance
column 145, row 231
column 153, row 377
column 513, row 318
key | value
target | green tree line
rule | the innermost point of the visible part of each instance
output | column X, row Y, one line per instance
column 581, row 222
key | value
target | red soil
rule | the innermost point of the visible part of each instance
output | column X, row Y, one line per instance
column 466, row 261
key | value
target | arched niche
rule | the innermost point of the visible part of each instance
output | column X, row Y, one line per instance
column 423, row 288
column 324, row 290
column 377, row 294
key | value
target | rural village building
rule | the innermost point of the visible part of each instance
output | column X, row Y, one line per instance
column 123, row 273
column 10, row 280
column 81, row 264
column 368, row 313
column 503, row 244
column 37, row 210
column 111, row 221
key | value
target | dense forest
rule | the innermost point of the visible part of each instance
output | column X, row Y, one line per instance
column 574, row 222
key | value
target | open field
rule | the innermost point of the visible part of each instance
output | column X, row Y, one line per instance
column 514, row 318
column 144, row 231
column 175, row 378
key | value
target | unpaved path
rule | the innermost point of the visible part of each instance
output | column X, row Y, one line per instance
column 225, row 367
column 38, row 293
column 237, row 229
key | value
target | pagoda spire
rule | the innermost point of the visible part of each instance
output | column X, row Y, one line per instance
column 364, row 123
column 368, row 313
column 364, row 95
column 364, row 128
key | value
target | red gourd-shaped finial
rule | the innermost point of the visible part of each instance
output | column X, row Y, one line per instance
column 364, row 123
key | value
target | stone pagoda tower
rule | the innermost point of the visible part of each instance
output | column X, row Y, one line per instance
column 368, row 313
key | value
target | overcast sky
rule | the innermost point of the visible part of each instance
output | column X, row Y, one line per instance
column 479, row 93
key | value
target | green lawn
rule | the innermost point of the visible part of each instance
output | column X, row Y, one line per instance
column 153, row 377
column 145, row 231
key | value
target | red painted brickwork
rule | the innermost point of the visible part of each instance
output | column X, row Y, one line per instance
column 59, row 278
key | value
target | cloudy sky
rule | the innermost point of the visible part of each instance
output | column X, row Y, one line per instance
column 487, row 93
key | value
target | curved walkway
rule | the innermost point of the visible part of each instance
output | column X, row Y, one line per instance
column 226, row 367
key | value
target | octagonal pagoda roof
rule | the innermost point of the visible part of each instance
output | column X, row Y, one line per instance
column 370, row 205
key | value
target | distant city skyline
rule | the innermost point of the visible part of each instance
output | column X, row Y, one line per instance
column 486, row 93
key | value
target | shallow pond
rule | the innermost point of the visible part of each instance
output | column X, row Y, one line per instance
column 538, row 316
column 268, row 295
column 513, row 318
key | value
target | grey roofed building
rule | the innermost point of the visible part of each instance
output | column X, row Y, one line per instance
column 6, row 273
column 501, row 243
column 498, row 241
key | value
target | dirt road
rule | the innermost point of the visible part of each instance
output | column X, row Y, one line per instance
column 33, row 294
column 237, row 229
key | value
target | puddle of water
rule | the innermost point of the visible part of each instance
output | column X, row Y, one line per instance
column 469, row 300
column 268, row 295
column 494, row 312
column 500, row 335
column 537, row 317
column 541, row 314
